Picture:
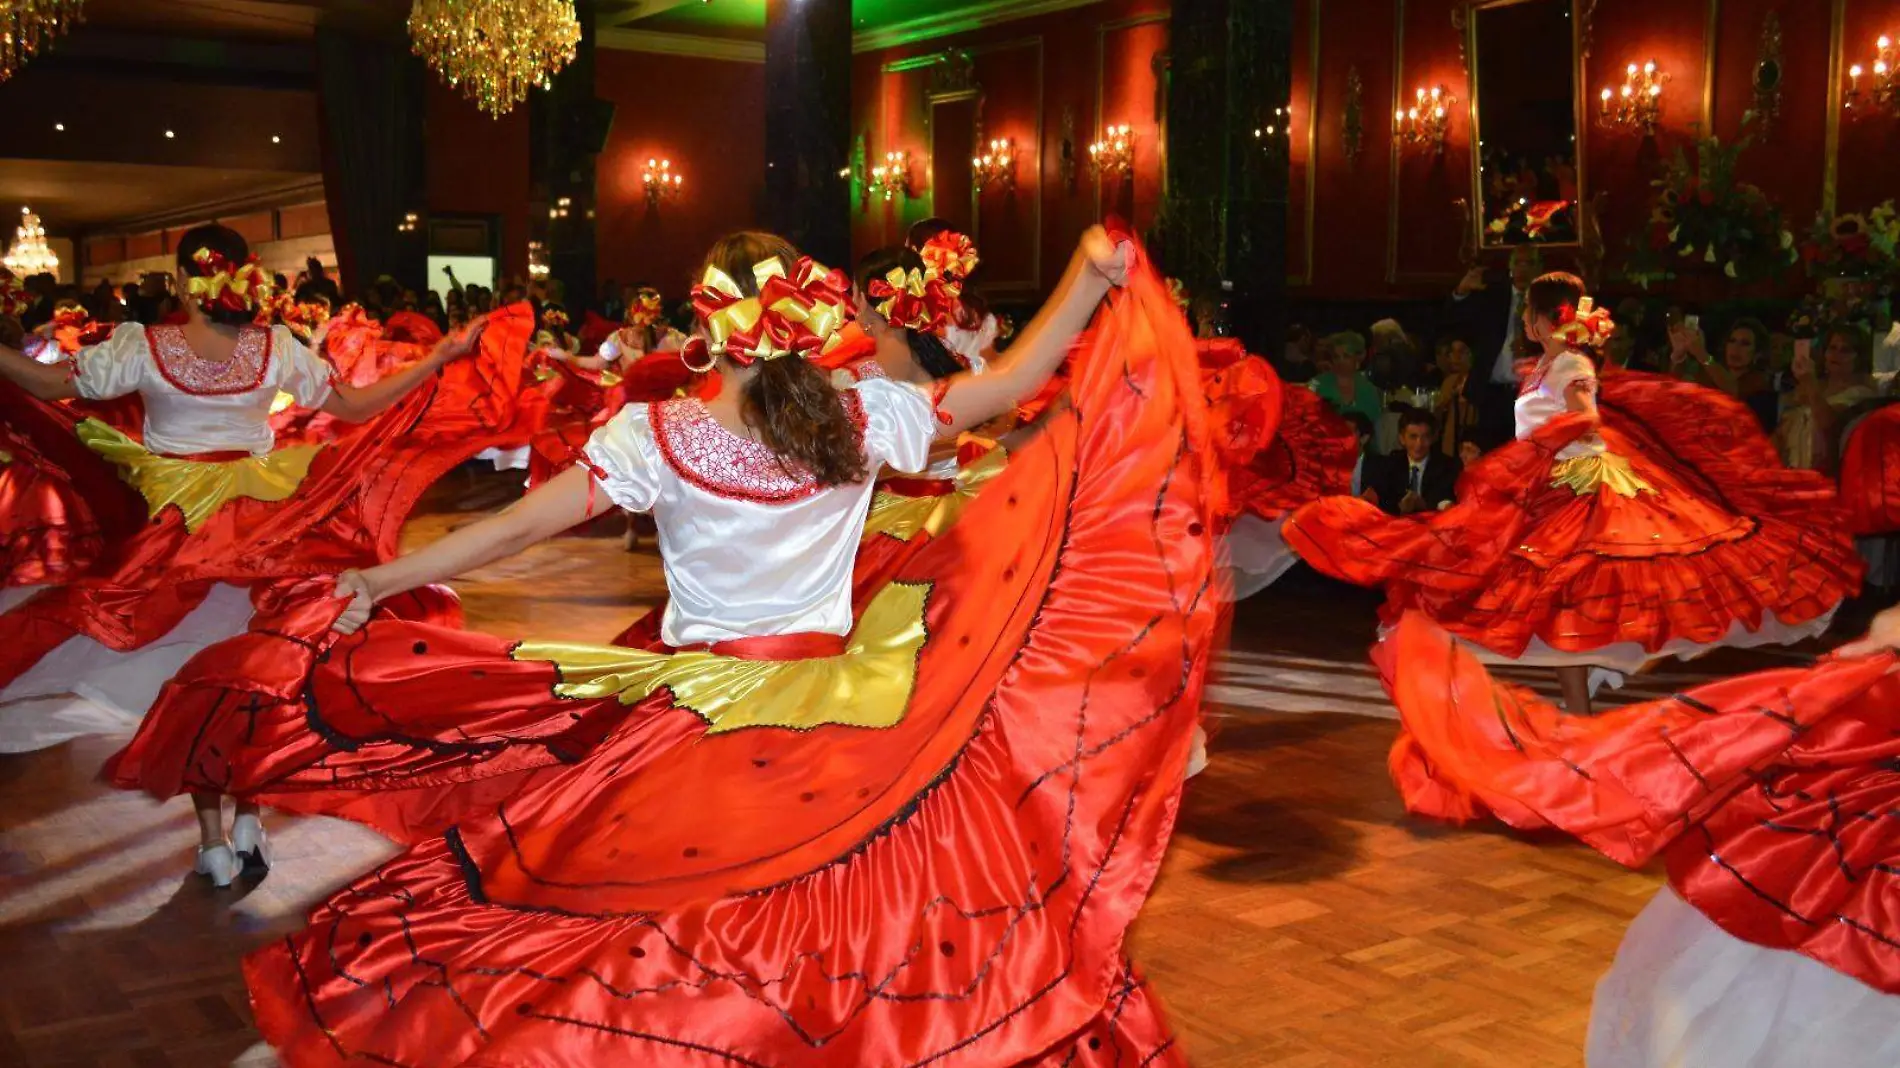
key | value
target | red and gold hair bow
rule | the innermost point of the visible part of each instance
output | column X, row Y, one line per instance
column 798, row 314
column 1585, row 326
column 646, row 308
column 913, row 299
column 949, row 256
column 223, row 287
column 553, row 318
column 303, row 318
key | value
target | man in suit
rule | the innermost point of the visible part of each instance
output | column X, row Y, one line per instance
column 1488, row 308
column 1415, row 477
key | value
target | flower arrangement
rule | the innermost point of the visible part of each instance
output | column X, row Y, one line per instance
column 1704, row 218
column 1860, row 246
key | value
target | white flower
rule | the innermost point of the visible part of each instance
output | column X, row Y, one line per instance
column 1688, row 251
column 1673, row 231
column 1787, row 239
column 1729, row 269
column 1709, row 256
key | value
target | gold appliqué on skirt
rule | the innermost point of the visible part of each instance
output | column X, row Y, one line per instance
column 1586, row 474
column 868, row 685
column 904, row 517
column 198, row 488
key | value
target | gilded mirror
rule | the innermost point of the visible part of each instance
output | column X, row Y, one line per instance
column 1525, row 117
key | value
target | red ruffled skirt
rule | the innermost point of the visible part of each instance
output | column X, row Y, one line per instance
column 1720, row 541
column 60, row 510
column 622, row 884
column 1870, row 474
column 347, row 512
column 1772, row 797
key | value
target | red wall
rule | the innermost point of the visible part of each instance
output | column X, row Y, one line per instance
column 1041, row 79
column 479, row 166
column 1368, row 243
column 708, row 117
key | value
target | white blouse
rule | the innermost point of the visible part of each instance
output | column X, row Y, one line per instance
column 1543, row 400
column 194, row 405
column 751, row 547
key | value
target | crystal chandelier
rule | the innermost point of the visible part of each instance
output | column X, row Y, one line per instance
column 27, row 26
column 494, row 51
column 29, row 255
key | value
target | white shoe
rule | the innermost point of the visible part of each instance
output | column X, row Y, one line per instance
column 1197, row 755
column 250, row 844
column 219, row 863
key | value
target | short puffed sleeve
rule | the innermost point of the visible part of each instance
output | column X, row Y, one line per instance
column 900, row 424
column 1567, row 370
column 300, row 372
column 625, row 460
column 115, row 366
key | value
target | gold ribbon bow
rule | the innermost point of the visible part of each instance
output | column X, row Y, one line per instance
column 794, row 315
column 220, row 285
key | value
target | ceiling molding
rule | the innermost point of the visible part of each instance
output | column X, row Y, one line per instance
column 289, row 195
column 682, row 44
column 973, row 17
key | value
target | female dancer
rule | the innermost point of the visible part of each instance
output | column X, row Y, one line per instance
column 1771, row 799
column 973, row 330
column 231, row 519
column 918, row 837
column 1656, row 525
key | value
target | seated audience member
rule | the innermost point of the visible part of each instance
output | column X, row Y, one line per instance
column 1345, row 385
column 1296, row 364
column 1740, row 372
column 1415, row 477
column 1831, row 378
column 1363, row 427
column 1458, row 416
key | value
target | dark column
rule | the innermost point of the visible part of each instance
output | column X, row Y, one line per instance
column 1229, row 68
column 567, row 130
column 808, row 125
column 371, row 100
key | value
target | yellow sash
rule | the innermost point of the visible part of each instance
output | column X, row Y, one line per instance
column 198, row 488
column 1585, row 474
column 869, row 685
column 904, row 517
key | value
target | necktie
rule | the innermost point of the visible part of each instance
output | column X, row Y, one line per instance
column 1418, row 478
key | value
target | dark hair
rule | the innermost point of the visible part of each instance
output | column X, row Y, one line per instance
column 791, row 403
column 923, row 230
column 1858, row 336
column 1411, row 416
column 1757, row 330
column 1359, row 422
column 1551, row 292
column 926, row 348
column 225, row 242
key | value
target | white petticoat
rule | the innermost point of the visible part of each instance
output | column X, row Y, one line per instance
column 506, row 459
column 83, row 687
column 1256, row 555
column 1684, row 993
column 1609, row 664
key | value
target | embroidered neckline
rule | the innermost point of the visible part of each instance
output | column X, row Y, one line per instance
column 190, row 373
column 705, row 454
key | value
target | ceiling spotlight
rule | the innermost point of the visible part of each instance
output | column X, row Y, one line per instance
column 276, row 140
column 169, row 135
column 60, row 126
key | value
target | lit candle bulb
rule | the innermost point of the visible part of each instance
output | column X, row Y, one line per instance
column 1655, row 90
column 1885, row 42
column 1632, row 70
column 1650, row 67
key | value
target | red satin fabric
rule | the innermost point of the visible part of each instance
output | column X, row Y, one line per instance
column 413, row 328
column 1310, row 455
column 1771, row 796
column 347, row 513
column 1870, row 474
column 777, row 647
column 595, row 331
column 60, row 508
column 1730, row 535
column 621, row 888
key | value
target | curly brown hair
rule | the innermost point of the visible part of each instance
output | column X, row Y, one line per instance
column 789, row 402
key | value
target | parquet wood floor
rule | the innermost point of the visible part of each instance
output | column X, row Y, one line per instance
column 1302, row 921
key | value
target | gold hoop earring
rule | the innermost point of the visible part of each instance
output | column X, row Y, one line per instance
column 686, row 357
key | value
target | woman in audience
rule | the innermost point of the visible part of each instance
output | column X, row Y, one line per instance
column 1344, row 384
column 1825, row 393
column 1740, row 372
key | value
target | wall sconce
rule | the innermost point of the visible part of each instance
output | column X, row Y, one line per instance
column 1637, row 107
column 662, row 182
column 537, row 260
column 996, row 166
column 1883, row 93
column 1281, row 125
column 561, row 208
column 1114, row 153
column 892, row 177
column 1423, row 125
column 408, row 223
